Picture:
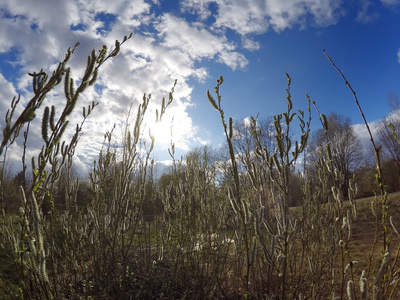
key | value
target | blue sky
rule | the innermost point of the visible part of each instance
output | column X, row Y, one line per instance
column 251, row 43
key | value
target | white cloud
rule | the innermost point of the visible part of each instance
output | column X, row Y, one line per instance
column 366, row 13
column 390, row 2
column 247, row 121
column 285, row 14
column 193, row 42
column 198, row 7
column 398, row 56
column 250, row 44
column 243, row 16
column 201, row 141
column 7, row 93
column 233, row 60
column 256, row 16
column 363, row 135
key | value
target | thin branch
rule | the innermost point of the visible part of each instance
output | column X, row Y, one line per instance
column 376, row 152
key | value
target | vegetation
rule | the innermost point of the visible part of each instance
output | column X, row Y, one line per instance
column 241, row 222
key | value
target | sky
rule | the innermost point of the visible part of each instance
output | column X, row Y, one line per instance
column 251, row 43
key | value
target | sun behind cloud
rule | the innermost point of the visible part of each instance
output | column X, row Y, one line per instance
column 176, row 128
column 162, row 132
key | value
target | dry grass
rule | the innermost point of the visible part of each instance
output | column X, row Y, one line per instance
column 365, row 232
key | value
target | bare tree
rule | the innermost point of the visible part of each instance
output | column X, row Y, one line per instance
column 386, row 130
column 244, row 142
column 393, row 101
column 346, row 149
column 388, row 134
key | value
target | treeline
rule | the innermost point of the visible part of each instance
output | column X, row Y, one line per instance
column 349, row 157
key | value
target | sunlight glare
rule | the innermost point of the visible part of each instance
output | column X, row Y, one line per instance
column 161, row 132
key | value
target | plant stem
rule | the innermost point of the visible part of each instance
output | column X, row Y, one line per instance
column 377, row 159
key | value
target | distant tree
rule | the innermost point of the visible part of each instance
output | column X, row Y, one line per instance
column 296, row 193
column 388, row 134
column 19, row 179
column 171, row 178
column 219, row 158
column 191, row 195
column 393, row 101
column 347, row 153
column 244, row 143
column 390, row 145
column 366, row 182
column 391, row 171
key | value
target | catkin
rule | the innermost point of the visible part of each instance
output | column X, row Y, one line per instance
column 394, row 225
column 350, row 290
column 363, row 286
column 382, row 270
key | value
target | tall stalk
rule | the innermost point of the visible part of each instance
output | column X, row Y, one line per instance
column 235, row 195
column 380, row 182
column 281, row 164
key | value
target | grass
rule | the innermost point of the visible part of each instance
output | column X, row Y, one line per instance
column 364, row 228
